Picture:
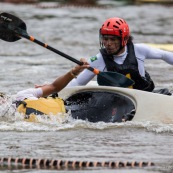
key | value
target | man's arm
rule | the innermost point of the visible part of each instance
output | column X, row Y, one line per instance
column 56, row 86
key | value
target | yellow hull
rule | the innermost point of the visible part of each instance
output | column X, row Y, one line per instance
column 168, row 47
column 43, row 108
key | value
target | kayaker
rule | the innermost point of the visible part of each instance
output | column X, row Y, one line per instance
column 54, row 87
column 119, row 54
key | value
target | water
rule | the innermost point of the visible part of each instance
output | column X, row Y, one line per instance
column 74, row 30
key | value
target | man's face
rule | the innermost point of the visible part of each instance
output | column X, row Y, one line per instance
column 111, row 43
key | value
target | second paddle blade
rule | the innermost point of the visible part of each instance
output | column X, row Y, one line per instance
column 114, row 79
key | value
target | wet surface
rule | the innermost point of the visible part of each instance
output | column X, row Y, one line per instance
column 75, row 31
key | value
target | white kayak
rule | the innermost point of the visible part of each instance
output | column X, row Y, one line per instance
column 98, row 100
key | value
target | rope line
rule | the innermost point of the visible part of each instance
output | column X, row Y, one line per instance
column 61, row 164
column 69, row 5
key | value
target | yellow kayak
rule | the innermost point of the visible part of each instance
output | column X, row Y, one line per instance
column 167, row 47
column 50, row 106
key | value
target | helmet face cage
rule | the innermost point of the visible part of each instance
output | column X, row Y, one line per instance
column 117, row 27
column 101, row 40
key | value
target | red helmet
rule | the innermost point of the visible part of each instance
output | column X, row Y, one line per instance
column 118, row 27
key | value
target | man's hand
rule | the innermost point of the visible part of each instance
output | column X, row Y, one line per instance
column 79, row 68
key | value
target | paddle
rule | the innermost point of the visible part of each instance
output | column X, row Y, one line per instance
column 12, row 29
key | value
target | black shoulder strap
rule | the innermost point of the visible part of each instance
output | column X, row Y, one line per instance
column 131, row 56
column 108, row 59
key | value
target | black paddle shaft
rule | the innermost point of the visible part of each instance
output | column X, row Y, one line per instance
column 54, row 50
